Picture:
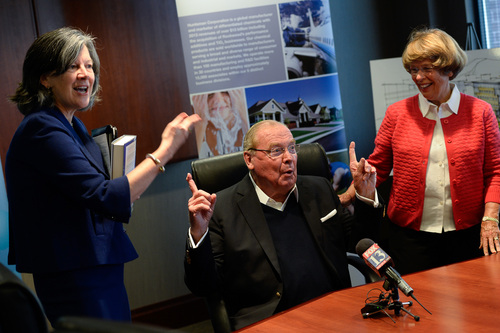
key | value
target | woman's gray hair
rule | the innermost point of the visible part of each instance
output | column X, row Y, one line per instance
column 437, row 46
column 51, row 54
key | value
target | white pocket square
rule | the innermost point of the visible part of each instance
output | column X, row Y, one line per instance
column 329, row 215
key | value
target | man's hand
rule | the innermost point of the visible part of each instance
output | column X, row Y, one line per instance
column 201, row 207
column 364, row 175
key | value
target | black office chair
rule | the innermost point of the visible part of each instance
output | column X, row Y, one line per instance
column 94, row 325
column 20, row 309
column 22, row 312
column 219, row 172
column 216, row 173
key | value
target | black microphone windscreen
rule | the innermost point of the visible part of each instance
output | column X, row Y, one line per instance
column 363, row 245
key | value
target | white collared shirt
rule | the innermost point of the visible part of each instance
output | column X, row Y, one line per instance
column 266, row 200
column 438, row 211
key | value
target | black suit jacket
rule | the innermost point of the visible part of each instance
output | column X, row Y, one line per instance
column 238, row 260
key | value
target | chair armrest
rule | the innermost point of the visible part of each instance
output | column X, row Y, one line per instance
column 218, row 314
column 363, row 268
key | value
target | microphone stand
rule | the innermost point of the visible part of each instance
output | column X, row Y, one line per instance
column 388, row 302
column 396, row 304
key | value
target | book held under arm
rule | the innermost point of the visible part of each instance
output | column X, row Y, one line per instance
column 123, row 151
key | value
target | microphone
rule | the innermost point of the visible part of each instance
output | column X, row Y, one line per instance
column 379, row 261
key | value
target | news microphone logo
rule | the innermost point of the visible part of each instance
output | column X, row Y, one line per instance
column 376, row 257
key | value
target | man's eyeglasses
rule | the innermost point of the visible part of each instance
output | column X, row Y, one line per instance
column 278, row 151
column 425, row 70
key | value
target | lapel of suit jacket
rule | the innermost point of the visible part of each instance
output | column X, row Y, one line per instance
column 83, row 140
column 250, row 207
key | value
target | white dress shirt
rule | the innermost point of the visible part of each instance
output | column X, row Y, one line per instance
column 437, row 214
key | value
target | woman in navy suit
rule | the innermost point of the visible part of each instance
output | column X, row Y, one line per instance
column 66, row 214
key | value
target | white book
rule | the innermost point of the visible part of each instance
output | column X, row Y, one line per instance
column 123, row 151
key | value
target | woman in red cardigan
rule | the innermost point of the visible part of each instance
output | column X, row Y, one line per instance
column 443, row 148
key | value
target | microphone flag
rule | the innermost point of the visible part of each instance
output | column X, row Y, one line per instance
column 375, row 257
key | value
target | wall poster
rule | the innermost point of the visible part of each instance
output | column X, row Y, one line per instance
column 251, row 60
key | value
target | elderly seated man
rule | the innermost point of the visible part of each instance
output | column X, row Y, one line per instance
column 275, row 239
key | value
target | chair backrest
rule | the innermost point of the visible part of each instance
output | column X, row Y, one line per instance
column 20, row 309
column 219, row 172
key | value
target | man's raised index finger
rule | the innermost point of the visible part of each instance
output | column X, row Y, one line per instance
column 352, row 152
column 191, row 183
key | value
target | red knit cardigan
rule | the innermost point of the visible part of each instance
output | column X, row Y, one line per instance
column 472, row 140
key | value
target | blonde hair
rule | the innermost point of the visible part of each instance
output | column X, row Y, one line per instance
column 437, row 46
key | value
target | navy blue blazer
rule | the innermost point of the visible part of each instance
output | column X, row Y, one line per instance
column 64, row 211
column 238, row 260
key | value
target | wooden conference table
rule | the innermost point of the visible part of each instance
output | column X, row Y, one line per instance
column 463, row 297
